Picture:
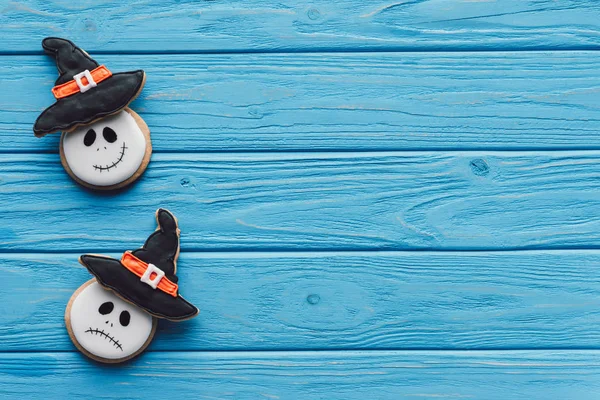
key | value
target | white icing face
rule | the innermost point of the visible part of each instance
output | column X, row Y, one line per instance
column 106, row 326
column 106, row 152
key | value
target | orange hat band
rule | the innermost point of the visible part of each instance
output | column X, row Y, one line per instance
column 150, row 274
column 82, row 82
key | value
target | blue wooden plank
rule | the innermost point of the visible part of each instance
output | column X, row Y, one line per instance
column 393, row 375
column 382, row 300
column 295, row 25
column 413, row 200
column 374, row 101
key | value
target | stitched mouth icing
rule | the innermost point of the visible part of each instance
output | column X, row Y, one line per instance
column 106, row 336
column 114, row 164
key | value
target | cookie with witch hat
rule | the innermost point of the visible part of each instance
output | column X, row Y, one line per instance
column 104, row 144
column 113, row 317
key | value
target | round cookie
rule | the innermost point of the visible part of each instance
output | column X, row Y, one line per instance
column 109, row 153
column 105, row 327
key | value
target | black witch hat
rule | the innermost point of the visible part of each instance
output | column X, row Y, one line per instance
column 146, row 276
column 85, row 91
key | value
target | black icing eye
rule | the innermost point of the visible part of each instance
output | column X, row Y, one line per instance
column 124, row 318
column 109, row 135
column 90, row 138
column 106, row 308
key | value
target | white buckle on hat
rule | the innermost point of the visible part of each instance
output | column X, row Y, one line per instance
column 153, row 283
column 91, row 82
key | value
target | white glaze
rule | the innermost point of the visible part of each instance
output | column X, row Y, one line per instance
column 103, row 335
column 103, row 163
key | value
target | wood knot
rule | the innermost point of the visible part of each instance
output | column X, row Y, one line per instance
column 313, row 14
column 313, row 299
column 479, row 167
column 187, row 183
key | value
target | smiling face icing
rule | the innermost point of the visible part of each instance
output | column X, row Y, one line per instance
column 107, row 152
column 107, row 327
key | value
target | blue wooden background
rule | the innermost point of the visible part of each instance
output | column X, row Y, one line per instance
column 378, row 200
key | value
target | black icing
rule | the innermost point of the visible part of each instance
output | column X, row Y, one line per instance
column 162, row 246
column 89, row 138
column 109, row 135
column 161, row 249
column 106, row 308
column 124, row 318
column 105, row 335
column 108, row 97
column 108, row 167
column 70, row 59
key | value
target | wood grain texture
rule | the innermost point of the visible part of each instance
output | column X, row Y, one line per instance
column 289, row 132
column 391, row 201
column 308, row 375
column 374, row 101
column 253, row 25
column 384, row 300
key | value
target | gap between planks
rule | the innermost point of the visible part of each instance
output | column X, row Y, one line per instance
column 325, row 50
column 315, row 252
column 334, row 351
column 407, row 150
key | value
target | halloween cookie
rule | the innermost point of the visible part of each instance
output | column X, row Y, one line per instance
column 113, row 317
column 104, row 144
